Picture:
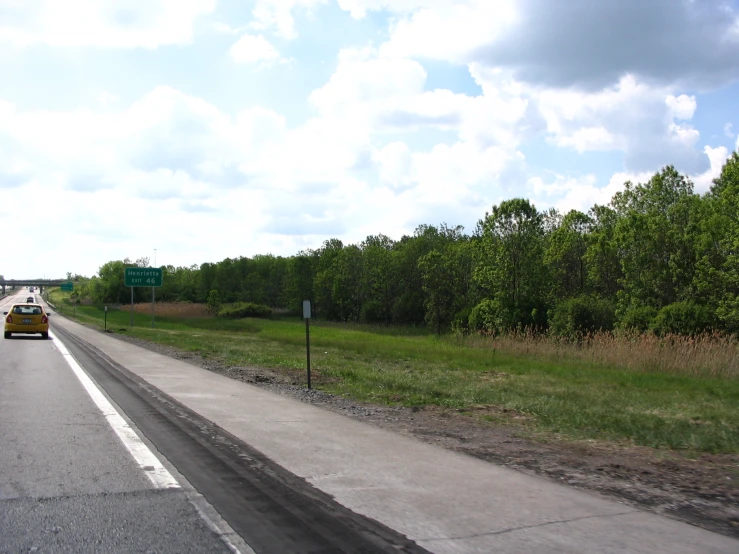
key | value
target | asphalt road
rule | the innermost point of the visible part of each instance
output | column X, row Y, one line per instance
column 71, row 480
column 67, row 482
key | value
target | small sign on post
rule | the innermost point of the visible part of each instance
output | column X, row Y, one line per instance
column 106, row 318
column 306, row 316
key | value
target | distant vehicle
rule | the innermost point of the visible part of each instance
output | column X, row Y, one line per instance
column 30, row 300
column 31, row 289
column 26, row 319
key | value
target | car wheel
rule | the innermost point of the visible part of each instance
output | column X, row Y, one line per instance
column 44, row 335
column 7, row 335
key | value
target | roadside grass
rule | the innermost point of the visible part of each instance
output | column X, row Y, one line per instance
column 550, row 395
column 174, row 309
column 708, row 354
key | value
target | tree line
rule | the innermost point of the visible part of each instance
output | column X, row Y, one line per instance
column 658, row 257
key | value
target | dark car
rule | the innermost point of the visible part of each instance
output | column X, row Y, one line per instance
column 30, row 300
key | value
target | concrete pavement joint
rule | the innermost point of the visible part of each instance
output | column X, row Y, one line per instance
column 512, row 529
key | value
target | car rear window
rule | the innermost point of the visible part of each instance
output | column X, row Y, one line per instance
column 27, row 310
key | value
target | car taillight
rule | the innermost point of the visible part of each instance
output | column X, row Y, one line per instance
column 9, row 319
column 44, row 319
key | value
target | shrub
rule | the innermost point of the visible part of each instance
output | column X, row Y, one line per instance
column 638, row 319
column 490, row 316
column 684, row 318
column 245, row 309
column 581, row 315
column 214, row 301
column 461, row 321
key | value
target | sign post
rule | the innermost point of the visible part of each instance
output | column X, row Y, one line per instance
column 106, row 318
column 306, row 316
column 143, row 277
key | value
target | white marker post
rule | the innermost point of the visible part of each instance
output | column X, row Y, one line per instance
column 306, row 316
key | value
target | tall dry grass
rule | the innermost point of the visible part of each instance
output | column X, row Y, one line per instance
column 172, row 309
column 708, row 354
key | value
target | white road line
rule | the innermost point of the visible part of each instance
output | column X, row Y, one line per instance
column 160, row 477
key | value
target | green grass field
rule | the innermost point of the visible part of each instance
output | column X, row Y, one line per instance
column 571, row 399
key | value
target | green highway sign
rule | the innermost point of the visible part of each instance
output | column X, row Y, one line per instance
column 142, row 276
column 67, row 287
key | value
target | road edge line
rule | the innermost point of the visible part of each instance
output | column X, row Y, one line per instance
column 159, row 475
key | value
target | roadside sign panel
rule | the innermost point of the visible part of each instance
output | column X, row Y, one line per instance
column 67, row 287
column 306, row 309
column 143, row 276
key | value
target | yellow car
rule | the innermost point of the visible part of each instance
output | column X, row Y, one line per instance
column 26, row 319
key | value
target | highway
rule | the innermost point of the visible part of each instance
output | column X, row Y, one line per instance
column 75, row 477
column 107, row 447
column 67, row 482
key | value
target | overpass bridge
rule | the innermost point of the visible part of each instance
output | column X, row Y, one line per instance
column 40, row 283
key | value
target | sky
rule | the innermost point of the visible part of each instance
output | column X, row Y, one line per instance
column 190, row 131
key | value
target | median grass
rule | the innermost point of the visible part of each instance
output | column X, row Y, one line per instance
column 548, row 394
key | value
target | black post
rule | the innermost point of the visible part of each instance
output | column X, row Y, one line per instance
column 131, row 319
column 106, row 318
column 307, row 346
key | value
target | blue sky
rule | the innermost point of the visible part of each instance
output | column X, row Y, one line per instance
column 208, row 129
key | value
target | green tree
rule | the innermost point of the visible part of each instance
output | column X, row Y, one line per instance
column 324, row 280
column 656, row 237
column 602, row 257
column 347, row 283
column 109, row 286
column 300, row 276
column 379, row 275
column 565, row 255
column 509, row 266
column 437, row 272
column 725, row 234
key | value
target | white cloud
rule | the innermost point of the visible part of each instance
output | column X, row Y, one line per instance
column 364, row 82
column 449, row 31
column 226, row 29
column 590, row 138
column 682, row 107
column 277, row 15
column 384, row 93
column 541, row 42
column 583, row 192
column 107, row 99
column 717, row 157
column 631, row 117
column 387, row 94
column 250, row 49
column 394, row 162
column 113, row 24
column 359, row 8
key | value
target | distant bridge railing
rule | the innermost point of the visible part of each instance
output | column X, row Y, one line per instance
column 32, row 282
